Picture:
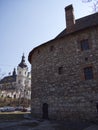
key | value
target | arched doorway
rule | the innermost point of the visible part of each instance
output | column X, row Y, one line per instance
column 45, row 111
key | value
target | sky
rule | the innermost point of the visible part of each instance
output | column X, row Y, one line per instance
column 25, row 24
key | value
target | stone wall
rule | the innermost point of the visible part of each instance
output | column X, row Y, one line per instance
column 58, row 78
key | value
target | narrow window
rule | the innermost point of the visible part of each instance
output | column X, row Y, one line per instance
column 24, row 81
column 19, row 81
column 97, row 106
column 84, row 44
column 88, row 73
column 14, row 96
column 51, row 48
column 38, row 51
column 60, row 70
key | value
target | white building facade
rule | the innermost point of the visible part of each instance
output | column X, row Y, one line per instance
column 17, row 85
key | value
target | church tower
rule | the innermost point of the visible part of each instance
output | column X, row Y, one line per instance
column 22, row 72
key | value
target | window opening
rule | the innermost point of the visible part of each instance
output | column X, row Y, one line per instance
column 88, row 73
column 84, row 44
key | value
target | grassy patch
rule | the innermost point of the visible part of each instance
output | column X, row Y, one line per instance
column 17, row 112
column 11, row 116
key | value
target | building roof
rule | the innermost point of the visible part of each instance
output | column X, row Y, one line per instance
column 80, row 24
column 22, row 63
column 8, row 79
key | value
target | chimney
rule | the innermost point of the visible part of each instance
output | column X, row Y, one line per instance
column 70, row 19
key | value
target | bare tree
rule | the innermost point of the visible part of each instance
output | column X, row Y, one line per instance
column 94, row 4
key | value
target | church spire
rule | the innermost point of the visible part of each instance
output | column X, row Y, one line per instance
column 23, row 58
column 14, row 72
column 22, row 63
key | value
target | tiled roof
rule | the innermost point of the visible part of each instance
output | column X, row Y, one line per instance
column 8, row 79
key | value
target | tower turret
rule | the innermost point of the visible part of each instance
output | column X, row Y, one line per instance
column 22, row 63
column 14, row 72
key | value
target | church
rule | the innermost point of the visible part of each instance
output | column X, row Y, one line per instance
column 18, row 84
column 64, row 71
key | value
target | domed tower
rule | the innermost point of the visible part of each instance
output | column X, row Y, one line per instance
column 22, row 72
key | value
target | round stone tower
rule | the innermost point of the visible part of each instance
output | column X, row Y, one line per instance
column 64, row 72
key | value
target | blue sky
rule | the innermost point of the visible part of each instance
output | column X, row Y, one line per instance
column 25, row 24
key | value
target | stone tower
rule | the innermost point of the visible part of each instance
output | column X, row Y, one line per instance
column 64, row 72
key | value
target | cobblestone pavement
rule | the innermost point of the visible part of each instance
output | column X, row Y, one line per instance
column 47, row 125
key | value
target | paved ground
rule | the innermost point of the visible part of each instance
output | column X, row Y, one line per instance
column 32, row 124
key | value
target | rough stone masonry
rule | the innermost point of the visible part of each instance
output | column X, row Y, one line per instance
column 65, row 71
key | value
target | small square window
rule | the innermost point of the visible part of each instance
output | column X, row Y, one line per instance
column 84, row 44
column 88, row 73
column 86, row 58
